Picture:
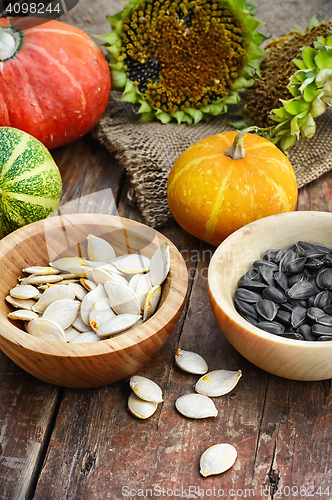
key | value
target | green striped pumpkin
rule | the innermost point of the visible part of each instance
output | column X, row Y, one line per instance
column 30, row 181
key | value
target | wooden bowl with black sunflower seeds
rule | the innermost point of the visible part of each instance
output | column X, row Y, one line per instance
column 270, row 288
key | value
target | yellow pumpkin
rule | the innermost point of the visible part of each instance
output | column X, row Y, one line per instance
column 225, row 181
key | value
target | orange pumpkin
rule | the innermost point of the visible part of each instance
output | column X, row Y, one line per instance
column 225, row 181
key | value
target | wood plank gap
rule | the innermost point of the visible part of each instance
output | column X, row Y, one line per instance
column 44, row 448
column 260, row 427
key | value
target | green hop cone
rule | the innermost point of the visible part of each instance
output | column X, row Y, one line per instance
column 183, row 60
column 290, row 111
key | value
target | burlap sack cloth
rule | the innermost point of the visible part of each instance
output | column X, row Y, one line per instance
column 147, row 151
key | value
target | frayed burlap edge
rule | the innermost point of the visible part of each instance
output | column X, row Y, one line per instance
column 147, row 152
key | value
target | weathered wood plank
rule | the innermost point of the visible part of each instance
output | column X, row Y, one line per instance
column 26, row 411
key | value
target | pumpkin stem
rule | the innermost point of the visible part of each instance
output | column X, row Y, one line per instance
column 236, row 150
column 10, row 42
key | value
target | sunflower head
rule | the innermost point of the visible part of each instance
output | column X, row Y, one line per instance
column 182, row 59
column 295, row 85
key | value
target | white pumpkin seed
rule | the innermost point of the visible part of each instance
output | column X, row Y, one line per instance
column 160, row 264
column 68, row 263
column 63, row 311
column 85, row 337
column 35, row 279
column 52, row 294
column 100, row 275
column 134, row 281
column 117, row 279
column 122, row 298
column 41, row 270
column 46, row 329
column 22, row 314
column 139, row 408
column 190, row 362
column 143, row 287
column 79, row 290
column 146, row 389
column 71, row 333
column 99, row 249
column 196, row 406
column 217, row 382
column 89, row 301
column 98, row 316
column 89, row 285
column 151, row 302
column 217, row 459
column 80, row 325
column 21, row 303
column 132, row 263
column 24, row 292
column 120, row 323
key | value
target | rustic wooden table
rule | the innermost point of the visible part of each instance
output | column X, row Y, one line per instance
column 58, row 443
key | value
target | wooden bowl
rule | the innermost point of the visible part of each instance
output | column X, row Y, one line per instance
column 97, row 363
column 292, row 359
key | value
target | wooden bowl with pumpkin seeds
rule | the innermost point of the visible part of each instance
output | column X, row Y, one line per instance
column 93, row 363
column 276, row 353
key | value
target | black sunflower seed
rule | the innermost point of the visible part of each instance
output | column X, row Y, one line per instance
column 296, row 266
column 275, row 294
column 283, row 317
column 271, row 327
column 324, row 338
column 305, row 331
column 322, row 248
column 283, row 251
column 266, row 308
column 281, row 279
column 301, row 290
column 298, row 316
column 326, row 320
column 304, row 245
column 245, row 308
column 328, row 259
column 295, row 279
column 250, row 319
column 246, row 295
column 324, row 279
column 321, row 330
column 315, row 312
column 252, row 274
column 270, row 254
column 323, row 299
column 286, row 259
column 314, row 265
column 267, row 274
column 260, row 262
column 255, row 286
column 328, row 309
column 287, row 306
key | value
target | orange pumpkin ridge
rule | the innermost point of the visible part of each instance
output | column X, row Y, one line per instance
column 212, row 195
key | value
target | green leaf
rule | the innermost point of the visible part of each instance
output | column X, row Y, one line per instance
column 110, row 38
column 130, row 97
column 295, row 107
column 119, row 79
column 145, row 107
column 242, row 83
column 310, row 92
column 313, row 22
column 308, row 56
column 178, row 115
column 299, row 63
column 324, row 59
column 318, row 107
column 308, row 129
column 196, row 114
column 287, row 142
